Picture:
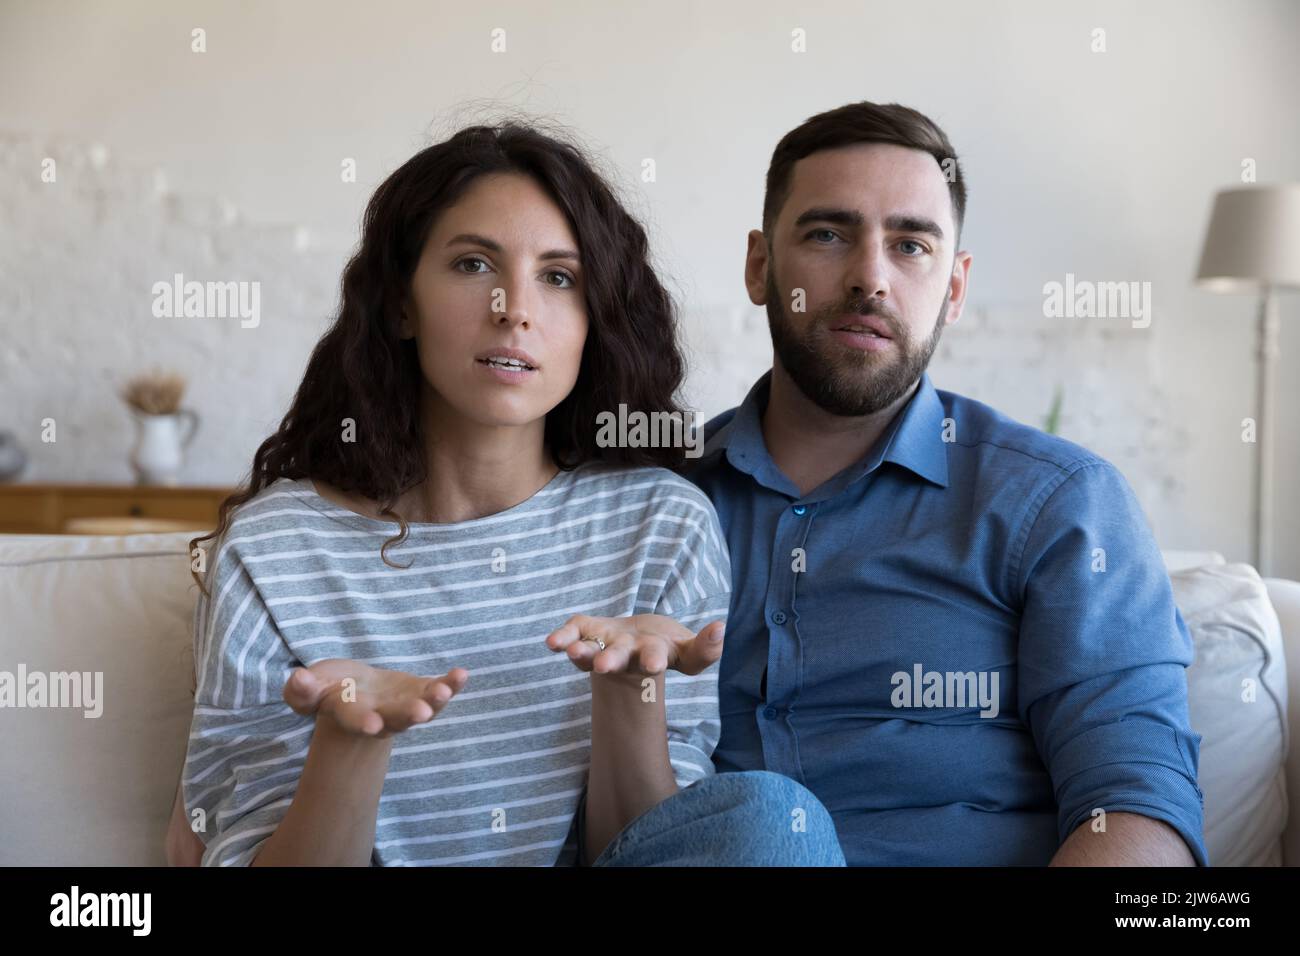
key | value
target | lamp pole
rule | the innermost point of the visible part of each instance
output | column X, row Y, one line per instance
column 1267, row 357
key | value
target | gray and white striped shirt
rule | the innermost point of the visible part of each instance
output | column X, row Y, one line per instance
column 497, row 777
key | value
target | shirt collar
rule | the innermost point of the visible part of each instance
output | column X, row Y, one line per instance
column 913, row 440
column 918, row 443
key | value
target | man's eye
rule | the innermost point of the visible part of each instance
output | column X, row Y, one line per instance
column 566, row 281
column 920, row 249
column 473, row 260
column 822, row 235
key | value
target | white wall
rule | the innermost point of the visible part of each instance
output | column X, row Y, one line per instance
column 225, row 165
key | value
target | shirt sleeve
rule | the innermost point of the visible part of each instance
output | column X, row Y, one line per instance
column 697, row 592
column 1102, row 661
column 247, row 747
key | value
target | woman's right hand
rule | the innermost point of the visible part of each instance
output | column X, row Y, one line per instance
column 370, row 701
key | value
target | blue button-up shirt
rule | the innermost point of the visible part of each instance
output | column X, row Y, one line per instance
column 965, row 644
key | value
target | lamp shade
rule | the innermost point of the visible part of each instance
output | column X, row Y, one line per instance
column 1253, row 239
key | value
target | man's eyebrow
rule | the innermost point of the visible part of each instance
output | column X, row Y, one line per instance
column 474, row 239
column 850, row 217
column 914, row 224
column 841, row 217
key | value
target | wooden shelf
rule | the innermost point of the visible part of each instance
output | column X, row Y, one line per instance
column 54, row 509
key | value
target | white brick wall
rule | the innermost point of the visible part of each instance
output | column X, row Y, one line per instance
column 82, row 254
column 1101, row 165
column 80, row 257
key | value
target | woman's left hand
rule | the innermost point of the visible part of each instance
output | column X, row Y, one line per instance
column 646, row 644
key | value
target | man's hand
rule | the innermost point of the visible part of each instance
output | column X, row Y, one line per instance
column 646, row 644
column 370, row 701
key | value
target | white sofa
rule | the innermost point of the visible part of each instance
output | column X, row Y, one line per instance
column 80, row 790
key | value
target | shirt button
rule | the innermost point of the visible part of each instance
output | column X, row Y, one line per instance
column 778, row 617
column 800, row 509
column 769, row 713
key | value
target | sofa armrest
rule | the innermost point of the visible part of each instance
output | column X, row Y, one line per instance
column 1285, row 597
column 1184, row 560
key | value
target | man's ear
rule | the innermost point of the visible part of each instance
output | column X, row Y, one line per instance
column 756, row 265
column 958, row 285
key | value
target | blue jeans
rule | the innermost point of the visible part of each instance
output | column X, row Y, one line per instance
column 746, row 818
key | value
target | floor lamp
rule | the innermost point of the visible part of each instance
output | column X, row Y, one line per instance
column 1253, row 245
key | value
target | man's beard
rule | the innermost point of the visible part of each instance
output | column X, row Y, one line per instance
column 837, row 378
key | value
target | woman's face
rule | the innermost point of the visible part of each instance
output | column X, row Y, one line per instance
column 497, row 306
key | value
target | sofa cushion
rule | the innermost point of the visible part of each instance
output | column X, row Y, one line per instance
column 1237, row 701
column 81, row 790
column 98, row 791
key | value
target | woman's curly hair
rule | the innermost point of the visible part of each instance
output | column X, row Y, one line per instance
column 362, row 370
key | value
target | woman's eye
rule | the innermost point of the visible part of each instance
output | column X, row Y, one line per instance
column 471, row 262
column 566, row 280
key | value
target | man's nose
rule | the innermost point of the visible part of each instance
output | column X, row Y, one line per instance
column 867, row 274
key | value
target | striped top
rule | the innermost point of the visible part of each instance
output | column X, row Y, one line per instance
column 497, row 777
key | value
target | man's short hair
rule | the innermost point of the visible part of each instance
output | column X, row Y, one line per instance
column 851, row 125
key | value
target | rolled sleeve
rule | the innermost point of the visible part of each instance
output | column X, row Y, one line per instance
column 1102, row 661
column 1133, row 766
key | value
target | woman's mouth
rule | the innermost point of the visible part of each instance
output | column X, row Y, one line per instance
column 507, row 363
column 505, row 368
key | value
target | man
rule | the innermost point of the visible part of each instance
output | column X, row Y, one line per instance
column 955, row 630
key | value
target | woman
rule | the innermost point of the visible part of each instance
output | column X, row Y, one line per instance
column 501, row 298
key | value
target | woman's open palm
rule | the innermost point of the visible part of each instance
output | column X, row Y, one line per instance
column 370, row 701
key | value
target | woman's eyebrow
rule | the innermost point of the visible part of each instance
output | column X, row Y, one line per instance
column 474, row 239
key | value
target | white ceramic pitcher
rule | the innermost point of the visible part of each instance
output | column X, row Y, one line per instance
column 160, row 445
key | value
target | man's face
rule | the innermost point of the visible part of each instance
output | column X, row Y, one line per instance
column 860, row 274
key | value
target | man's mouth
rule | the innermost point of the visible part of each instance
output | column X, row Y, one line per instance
column 863, row 333
column 862, row 330
column 871, row 327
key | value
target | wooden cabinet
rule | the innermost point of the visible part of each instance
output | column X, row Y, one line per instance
column 64, row 509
